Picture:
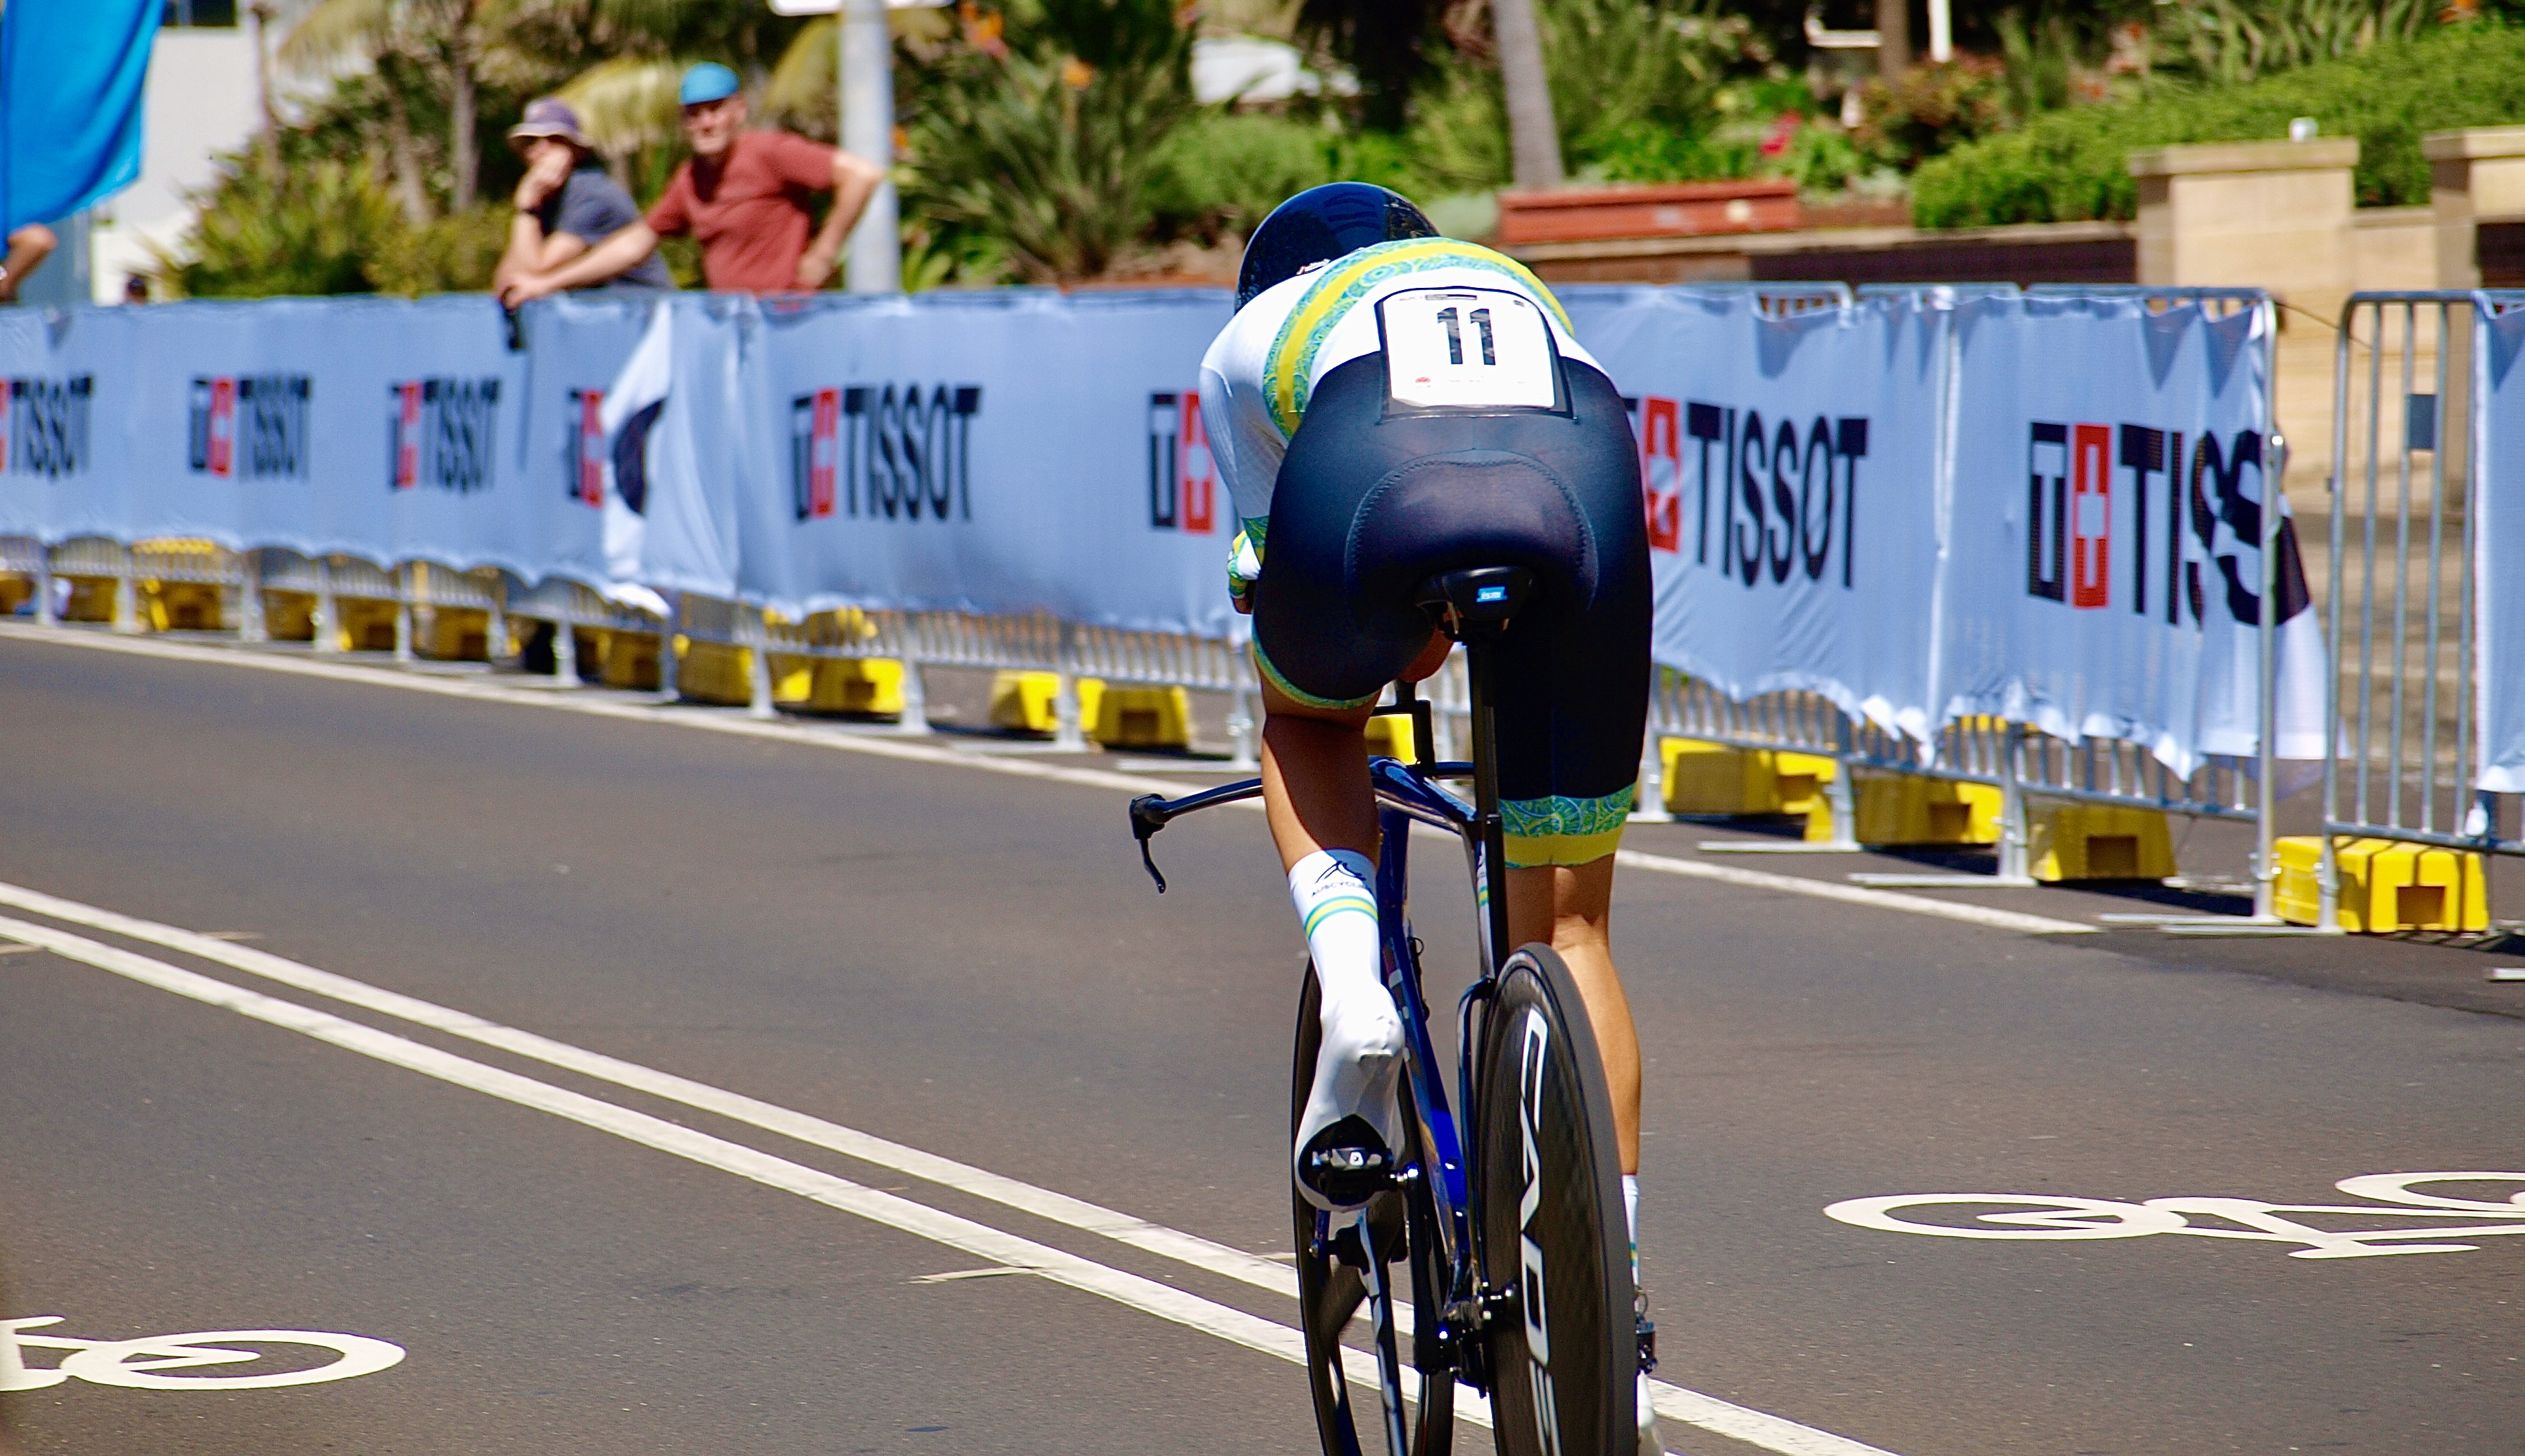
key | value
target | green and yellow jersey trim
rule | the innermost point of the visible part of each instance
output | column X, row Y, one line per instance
column 1288, row 370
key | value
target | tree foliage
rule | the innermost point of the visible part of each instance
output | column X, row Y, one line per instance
column 2073, row 164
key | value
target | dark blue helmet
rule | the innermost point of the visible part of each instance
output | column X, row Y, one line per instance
column 1322, row 223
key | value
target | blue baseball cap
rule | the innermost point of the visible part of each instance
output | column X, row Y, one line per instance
column 705, row 82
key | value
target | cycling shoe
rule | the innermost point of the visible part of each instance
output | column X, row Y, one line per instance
column 1348, row 1137
column 1345, row 1165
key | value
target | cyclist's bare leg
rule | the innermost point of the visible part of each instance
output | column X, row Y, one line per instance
column 1569, row 907
column 1315, row 771
column 1323, row 820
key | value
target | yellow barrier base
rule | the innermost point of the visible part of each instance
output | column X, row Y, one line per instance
column 714, row 672
column 363, row 625
column 1389, row 735
column 630, row 659
column 1906, row 809
column 289, row 616
column 1116, row 717
column 2096, row 842
column 1027, row 702
column 1138, row 717
column 458, row 634
column 91, row 599
column 840, row 685
column 180, row 605
column 2386, row 886
column 1708, row 778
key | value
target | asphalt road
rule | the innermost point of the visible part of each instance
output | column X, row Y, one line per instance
column 972, row 965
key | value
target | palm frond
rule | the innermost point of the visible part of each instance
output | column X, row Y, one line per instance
column 802, row 89
column 331, row 30
column 627, row 103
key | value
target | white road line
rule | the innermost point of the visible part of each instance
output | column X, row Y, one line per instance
column 1675, row 1402
column 572, row 701
column 1883, row 899
column 914, row 751
column 815, row 1132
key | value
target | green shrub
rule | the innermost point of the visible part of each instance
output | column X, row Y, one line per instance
column 321, row 231
column 1049, row 149
column 1223, row 173
column 454, row 254
column 2073, row 164
column 1933, row 109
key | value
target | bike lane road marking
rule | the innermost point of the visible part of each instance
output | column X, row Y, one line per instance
column 883, row 746
column 1706, row 1412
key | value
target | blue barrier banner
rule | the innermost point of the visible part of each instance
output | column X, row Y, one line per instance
column 562, row 468
column 67, row 406
column 2102, row 566
column 1004, row 452
column 2498, row 548
column 1791, row 465
column 366, row 426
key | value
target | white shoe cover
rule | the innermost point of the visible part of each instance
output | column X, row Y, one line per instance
column 1357, row 1070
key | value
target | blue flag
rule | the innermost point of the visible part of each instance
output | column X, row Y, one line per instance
column 71, row 73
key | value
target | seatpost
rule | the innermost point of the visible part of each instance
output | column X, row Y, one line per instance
column 1486, row 804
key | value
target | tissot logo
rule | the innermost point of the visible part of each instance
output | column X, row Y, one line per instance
column 585, row 464
column 1778, row 498
column 883, row 450
column 439, row 433
column 1183, row 483
column 44, row 425
column 2182, row 506
column 251, row 427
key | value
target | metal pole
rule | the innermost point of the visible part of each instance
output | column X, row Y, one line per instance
column 759, row 665
column 251, row 625
column 867, row 102
column 327, row 611
column 914, row 719
column 126, row 595
column 669, row 673
column 410, row 579
column 46, row 615
column 2327, row 915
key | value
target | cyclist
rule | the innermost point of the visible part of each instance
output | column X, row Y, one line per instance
column 1386, row 405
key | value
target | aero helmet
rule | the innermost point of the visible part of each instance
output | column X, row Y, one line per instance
column 1321, row 223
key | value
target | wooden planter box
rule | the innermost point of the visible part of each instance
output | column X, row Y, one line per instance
column 1577, row 214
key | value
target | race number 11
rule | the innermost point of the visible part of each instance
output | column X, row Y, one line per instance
column 1466, row 348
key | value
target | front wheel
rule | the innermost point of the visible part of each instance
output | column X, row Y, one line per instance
column 1547, row 1195
column 1331, row 1289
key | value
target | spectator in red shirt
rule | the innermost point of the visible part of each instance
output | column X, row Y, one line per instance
column 743, row 194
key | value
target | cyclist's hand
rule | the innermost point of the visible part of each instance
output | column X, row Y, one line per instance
column 1244, row 568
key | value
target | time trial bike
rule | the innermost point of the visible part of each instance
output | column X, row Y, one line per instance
column 1514, row 1239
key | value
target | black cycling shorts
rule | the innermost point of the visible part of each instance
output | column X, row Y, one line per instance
column 1372, row 499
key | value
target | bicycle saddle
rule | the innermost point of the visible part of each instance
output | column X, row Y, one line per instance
column 1476, row 602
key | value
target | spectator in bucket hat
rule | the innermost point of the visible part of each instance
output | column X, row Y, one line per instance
column 566, row 204
column 743, row 194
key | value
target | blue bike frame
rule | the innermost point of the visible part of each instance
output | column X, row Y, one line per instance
column 1409, row 793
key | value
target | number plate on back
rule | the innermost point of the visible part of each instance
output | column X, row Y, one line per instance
column 1461, row 347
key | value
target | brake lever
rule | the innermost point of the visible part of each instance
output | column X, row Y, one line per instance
column 1147, row 819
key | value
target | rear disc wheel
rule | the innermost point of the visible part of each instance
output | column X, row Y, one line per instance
column 1548, row 1197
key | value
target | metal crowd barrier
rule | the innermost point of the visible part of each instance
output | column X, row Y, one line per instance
column 2402, row 753
column 2019, row 762
column 2022, row 762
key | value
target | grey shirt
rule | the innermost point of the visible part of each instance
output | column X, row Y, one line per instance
column 592, row 207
